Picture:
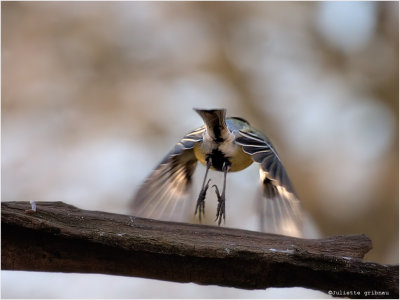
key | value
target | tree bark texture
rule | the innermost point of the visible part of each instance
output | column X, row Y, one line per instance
column 62, row 238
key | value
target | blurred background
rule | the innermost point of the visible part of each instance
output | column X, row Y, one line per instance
column 94, row 94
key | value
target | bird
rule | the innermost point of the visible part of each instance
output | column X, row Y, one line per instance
column 222, row 144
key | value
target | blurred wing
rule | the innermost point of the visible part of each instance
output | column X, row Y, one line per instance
column 162, row 195
column 281, row 210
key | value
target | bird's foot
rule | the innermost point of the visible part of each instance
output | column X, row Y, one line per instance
column 201, row 201
column 221, row 206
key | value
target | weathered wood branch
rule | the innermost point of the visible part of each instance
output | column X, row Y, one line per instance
column 62, row 238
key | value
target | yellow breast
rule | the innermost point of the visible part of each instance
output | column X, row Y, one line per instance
column 239, row 161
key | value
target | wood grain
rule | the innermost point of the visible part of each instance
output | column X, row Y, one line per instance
column 62, row 238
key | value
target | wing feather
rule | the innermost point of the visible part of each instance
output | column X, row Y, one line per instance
column 280, row 208
column 162, row 195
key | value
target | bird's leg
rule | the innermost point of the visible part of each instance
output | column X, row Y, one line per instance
column 202, row 196
column 219, row 200
column 221, row 197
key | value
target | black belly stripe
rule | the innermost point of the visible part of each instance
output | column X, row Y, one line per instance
column 218, row 159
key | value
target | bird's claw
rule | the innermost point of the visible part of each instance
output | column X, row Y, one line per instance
column 201, row 201
column 221, row 206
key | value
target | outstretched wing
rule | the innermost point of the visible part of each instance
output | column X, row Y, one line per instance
column 162, row 195
column 280, row 208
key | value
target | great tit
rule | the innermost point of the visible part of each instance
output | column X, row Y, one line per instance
column 225, row 145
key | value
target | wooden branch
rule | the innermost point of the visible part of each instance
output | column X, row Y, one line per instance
column 62, row 238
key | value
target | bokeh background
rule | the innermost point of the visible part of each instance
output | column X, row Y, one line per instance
column 94, row 94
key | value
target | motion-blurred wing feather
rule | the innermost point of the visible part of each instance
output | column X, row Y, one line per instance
column 162, row 195
column 280, row 208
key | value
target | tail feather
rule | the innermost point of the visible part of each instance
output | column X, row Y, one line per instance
column 215, row 121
